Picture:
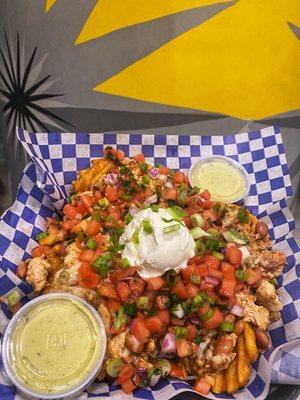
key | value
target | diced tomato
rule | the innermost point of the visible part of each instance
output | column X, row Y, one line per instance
column 205, row 194
column 111, row 193
column 112, row 304
column 253, row 275
column 192, row 290
column 189, row 271
column 39, row 250
column 202, row 387
column 140, row 158
column 161, row 302
column 215, row 320
column 234, row 255
column 107, row 289
column 139, row 330
column 97, row 196
column 176, row 371
column 86, row 200
column 164, row 316
column 69, row 223
column 164, row 170
column 126, row 373
column 137, row 285
column 207, row 205
column 195, row 260
column 92, row 228
column 188, row 222
column 177, row 322
column 214, row 273
column 120, row 155
column 147, row 192
column 170, row 194
column 191, row 332
column 155, row 283
column 178, row 177
column 81, row 209
column 87, row 277
column 114, row 212
column 179, row 289
column 212, row 261
column 210, row 214
column 204, row 309
column 227, row 270
column 206, row 286
column 123, row 291
column 70, row 211
column 100, row 239
column 202, row 270
column 154, row 325
column 228, row 287
column 212, row 295
column 128, row 386
column 86, row 255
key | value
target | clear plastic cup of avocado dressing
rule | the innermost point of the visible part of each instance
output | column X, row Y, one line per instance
column 225, row 179
column 54, row 347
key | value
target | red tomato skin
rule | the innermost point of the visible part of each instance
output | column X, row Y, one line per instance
column 180, row 290
column 164, row 316
column 70, row 211
column 212, row 261
column 139, row 330
column 164, row 170
column 227, row 270
column 92, row 228
column 126, row 372
column 112, row 305
column 140, row 158
column 123, row 291
column 228, row 287
column 191, row 332
column 195, row 260
column 155, row 283
column 111, row 193
column 86, row 276
column 234, row 255
column 128, row 386
column 205, row 194
column 215, row 320
column 207, row 205
column 202, row 387
column 192, row 290
column 114, row 212
column 154, row 325
column 86, row 201
column 170, row 194
column 86, row 255
column 178, row 177
column 188, row 222
column 176, row 371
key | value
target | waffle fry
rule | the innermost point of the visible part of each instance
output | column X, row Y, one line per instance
column 243, row 361
column 231, row 380
column 250, row 340
column 219, row 384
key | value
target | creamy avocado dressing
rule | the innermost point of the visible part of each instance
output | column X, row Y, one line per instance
column 223, row 180
column 55, row 346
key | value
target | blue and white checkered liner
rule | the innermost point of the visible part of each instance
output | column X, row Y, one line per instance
column 47, row 181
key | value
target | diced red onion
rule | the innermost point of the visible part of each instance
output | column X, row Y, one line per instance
column 237, row 310
column 151, row 199
column 133, row 210
column 211, row 279
column 202, row 346
column 168, row 344
column 169, row 185
column 111, row 178
column 154, row 379
column 141, row 372
column 162, row 177
column 153, row 173
column 195, row 320
column 165, row 356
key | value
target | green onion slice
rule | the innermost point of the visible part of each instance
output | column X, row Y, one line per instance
column 227, row 326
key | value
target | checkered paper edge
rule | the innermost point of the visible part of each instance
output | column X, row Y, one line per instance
column 31, row 208
column 261, row 152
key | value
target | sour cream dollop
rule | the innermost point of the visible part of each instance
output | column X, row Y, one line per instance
column 158, row 251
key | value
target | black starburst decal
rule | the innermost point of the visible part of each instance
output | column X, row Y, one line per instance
column 22, row 98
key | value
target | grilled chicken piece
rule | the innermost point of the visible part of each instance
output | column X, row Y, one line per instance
column 267, row 297
column 258, row 315
column 37, row 273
